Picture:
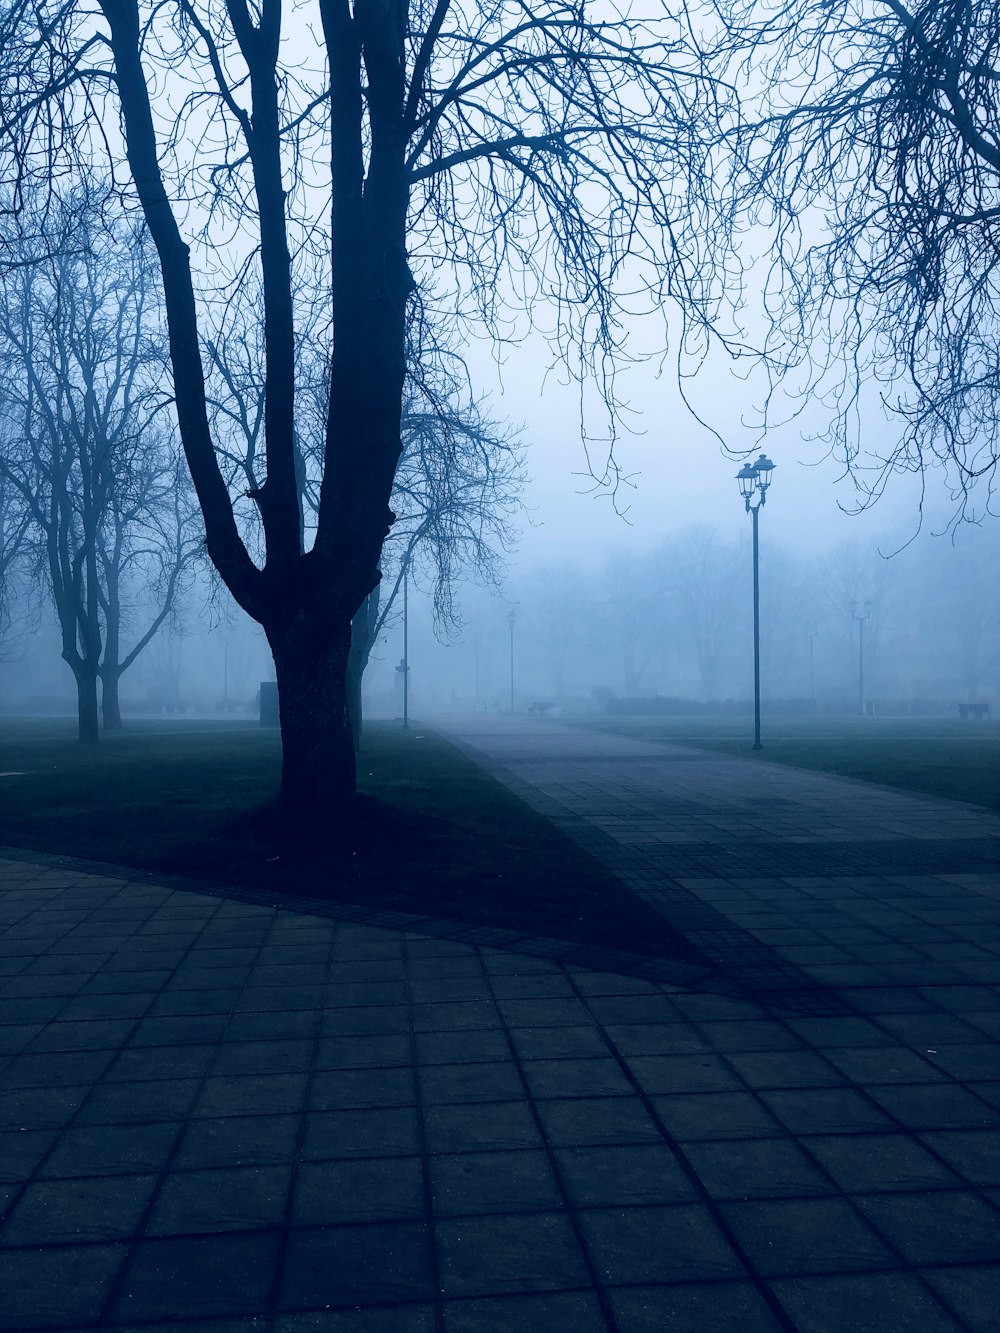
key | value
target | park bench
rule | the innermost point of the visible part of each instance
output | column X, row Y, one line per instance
column 978, row 711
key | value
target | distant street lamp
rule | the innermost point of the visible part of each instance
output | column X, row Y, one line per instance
column 475, row 659
column 754, row 479
column 861, row 649
column 812, row 632
column 406, row 650
column 511, row 617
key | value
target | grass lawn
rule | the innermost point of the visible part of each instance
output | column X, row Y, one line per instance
column 938, row 756
column 438, row 835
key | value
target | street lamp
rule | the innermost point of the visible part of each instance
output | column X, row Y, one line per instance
column 754, row 479
column 406, row 650
column 475, row 659
column 511, row 617
column 811, row 632
column 861, row 649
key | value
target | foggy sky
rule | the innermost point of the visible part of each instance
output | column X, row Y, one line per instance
column 680, row 472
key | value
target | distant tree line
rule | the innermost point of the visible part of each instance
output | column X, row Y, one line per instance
column 675, row 621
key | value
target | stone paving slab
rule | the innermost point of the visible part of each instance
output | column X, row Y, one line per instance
column 219, row 1114
column 797, row 886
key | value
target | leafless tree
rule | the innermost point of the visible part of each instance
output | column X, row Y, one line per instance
column 969, row 609
column 789, row 615
column 631, row 612
column 861, row 588
column 147, row 546
column 519, row 151
column 456, row 497
column 869, row 151
column 699, row 574
column 457, row 485
column 955, row 608
column 88, row 450
column 558, row 611
column 13, row 527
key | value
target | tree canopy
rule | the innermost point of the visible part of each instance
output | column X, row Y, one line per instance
column 868, row 149
column 535, row 157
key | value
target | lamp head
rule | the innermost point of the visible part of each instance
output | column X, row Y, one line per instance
column 747, row 478
column 763, row 467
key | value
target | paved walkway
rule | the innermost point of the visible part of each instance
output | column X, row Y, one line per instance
column 220, row 1115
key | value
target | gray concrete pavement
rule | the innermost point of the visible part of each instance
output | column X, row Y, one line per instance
column 790, row 881
column 219, row 1115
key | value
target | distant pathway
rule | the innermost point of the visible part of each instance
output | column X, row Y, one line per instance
column 798, row 886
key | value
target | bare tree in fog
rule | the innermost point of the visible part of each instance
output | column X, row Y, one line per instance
column 533, row 152
column 789, row 616
column 455, row 496
column 457, row 486
column 955, row 611
column 631, row 614
column 701, row 578
column 13, row 529
column 873, row 152
column 560, row 615
column 860, row 591
column 147, row 545
column 87, row 449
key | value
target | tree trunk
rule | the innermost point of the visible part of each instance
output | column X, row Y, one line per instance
column 355, row 675
column 86, row 704
column 318, row 770
column 362, row 642
column 111, row 709
column 110, row 672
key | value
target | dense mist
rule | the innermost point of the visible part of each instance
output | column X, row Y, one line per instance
column 671, row 620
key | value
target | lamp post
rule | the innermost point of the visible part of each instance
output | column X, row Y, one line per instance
column 812, row 632
column 475, row 660
column 511, row 617
column 406, row 650
column 861, row 649
column 754, row 479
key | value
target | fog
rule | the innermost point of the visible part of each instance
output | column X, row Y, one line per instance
column 640, row 593
column 621, row 569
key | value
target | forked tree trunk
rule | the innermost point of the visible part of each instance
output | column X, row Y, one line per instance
column 362, row 642
column 370, row 283
column 111, row 712
column 111, row 708
column 355, row 712
column 318, row 768
column 86, row 705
